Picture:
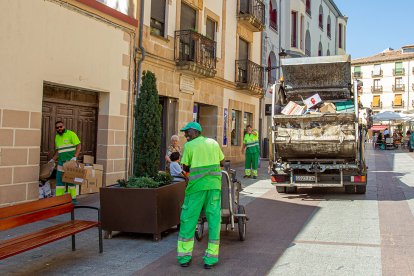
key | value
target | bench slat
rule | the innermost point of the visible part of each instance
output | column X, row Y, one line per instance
column 24, row 243
column 15, row 221
column 28, row 207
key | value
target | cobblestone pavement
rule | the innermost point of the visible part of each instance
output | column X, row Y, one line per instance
column 314, row 232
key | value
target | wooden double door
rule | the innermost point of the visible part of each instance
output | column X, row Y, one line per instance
column 77, row 110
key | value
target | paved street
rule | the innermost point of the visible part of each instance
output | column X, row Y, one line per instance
column 316, row 232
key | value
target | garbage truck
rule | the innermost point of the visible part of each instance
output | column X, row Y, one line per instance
column 317, row 135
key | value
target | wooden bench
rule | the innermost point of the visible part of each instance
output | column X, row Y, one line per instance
column 25, row 213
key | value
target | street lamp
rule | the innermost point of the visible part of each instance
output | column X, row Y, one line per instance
column 282, row 54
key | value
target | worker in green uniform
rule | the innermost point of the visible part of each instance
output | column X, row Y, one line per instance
column 252, row 149
column 202, row 158
column 67, row 147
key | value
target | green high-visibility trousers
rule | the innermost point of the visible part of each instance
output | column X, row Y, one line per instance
column 210, row 200
column 251, row 163
column 61, row 186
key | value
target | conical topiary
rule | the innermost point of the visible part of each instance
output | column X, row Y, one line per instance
column 147, row 141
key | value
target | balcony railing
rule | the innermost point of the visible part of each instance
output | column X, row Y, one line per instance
column 273, row 24
column 195, row 53
column 357, row 74
column 376, row 106
column 401, row 104
column 376, row 74
column 399, row 87
column 398, row 72
column 376, row 89
column 307, row 53
column 251, row 14
column 249, row 76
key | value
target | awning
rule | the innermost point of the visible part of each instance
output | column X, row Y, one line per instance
column 378, row 127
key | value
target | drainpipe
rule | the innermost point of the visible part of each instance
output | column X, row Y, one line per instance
column 138, row 73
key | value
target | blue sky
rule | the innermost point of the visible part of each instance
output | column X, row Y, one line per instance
column 375, row 25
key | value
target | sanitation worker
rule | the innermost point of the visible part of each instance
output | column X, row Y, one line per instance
column 202, row 158
column 252, row 149
column 68, row 147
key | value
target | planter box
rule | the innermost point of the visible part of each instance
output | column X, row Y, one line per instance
column 141, row 210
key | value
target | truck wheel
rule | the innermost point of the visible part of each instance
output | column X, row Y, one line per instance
column 361, row 189
column 199, row 231
column 281, row 189
column 291, row 190
column 349, row 189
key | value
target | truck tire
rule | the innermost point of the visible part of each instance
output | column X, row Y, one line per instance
column 361, row 189
column 291, row 190
column 281, row 189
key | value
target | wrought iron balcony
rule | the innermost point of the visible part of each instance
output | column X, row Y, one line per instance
column 273, row 24
column 376, row 89
column 376, row 106
column 400, row 105
column 249, row 76
column 195, row 53
column 398, row 72
column 376, row 74
column 400, row 87
column 251, row 14
column 357, row 74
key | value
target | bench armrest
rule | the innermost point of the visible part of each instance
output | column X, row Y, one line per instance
column 90, row 207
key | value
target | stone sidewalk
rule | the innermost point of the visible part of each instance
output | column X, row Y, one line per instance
column 314, row 232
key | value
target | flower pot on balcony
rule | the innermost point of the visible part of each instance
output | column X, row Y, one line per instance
column 141, row 210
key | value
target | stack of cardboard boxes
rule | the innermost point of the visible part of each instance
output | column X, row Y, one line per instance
column 87, row 175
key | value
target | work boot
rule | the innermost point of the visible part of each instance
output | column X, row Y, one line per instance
column 187, row 264
column 246, row 176
column 208, row 266
column 254, row 177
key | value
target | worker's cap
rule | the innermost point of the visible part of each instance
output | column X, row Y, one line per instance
column 193, row 125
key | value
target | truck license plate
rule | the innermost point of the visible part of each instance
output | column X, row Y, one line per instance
column 306, row 178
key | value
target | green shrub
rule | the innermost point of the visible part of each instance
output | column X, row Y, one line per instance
column 142, row 182
column 122, row 182
column 163, row 178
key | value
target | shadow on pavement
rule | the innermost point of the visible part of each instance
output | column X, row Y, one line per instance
column 272, row 228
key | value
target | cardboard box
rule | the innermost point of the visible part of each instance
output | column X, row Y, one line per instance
column 93, row 179
column 328, row 108
column 312, row 101
column 293, row 108
column 88, row 159
column 74, row 175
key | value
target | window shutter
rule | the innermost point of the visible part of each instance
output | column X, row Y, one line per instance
column 398, row 99
column 158, row 10
column 376, row 101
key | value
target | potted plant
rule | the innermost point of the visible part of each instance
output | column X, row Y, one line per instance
column 147, row 202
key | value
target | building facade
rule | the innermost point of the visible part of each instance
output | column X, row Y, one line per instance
column 387, row 80
column 63, row 60
column 206, row 55
column 301, row 28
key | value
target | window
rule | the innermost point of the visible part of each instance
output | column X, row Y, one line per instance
column 376, row 101
column 308, row 7
column 293, row 40
column 377, row 84
column 398, row 83
column 320, row 51
column 157, row 23
column 398, row 68
column 211, row 28
column 321, row 17
column 247, row 120
column 244, row 6
column 302, row 21
column 328, row 53
column 243, row 49
column 272, row 16
column 340, row 36
column 235, row 127
column 397, row 100
column 328, row 26
column 308, row 44
column 188, row 18
column 377, row 70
